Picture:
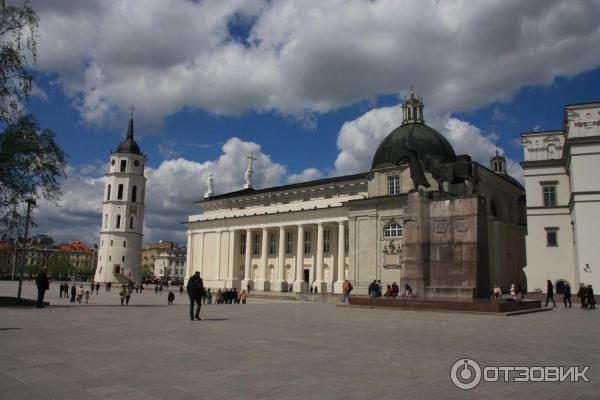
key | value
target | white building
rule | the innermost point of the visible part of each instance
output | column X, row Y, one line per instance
column 120, row 252
column 170, row 264
column 563, row 200
column 321, row 232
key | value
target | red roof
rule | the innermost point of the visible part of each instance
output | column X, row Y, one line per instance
column 76, row 245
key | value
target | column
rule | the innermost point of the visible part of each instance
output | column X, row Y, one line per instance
column 281, row 284
column 189, row 266
column 321, row 286
column 299, row 284
column 217, row 265
column 262, row 283
column 247, row 262
column 200, row 255
column 232, row 279
column 341, row 258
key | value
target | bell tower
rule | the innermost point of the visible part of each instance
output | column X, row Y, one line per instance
column 498, row 163
column 120, row 252
column 412, row 109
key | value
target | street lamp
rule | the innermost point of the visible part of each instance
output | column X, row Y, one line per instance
column 30, row 203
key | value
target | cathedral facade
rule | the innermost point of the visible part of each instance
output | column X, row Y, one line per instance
column 319, row 233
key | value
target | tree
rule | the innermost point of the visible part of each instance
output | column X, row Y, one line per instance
column 18, row 34
column 31, row 163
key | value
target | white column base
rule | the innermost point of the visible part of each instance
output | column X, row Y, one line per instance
column 262, row 285
column 338, row 287
column 247, row 282
column 233, row 283
column 300, row 286
column 321, row 286
column 279, row 286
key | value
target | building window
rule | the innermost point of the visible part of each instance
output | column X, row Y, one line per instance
column 392, row 230
column 552, row 237
column 108, row 192
column 306, row 242
column 393, row 185
column 111, row 242
column 123, row 258
column 106, row 220
column 124, row 244
column 118, row 224
column 109, row 258
column 256, row 249
column 242, row 243
column 123, row 165
column 549, row 192
column 326, row 240
column 120, row 192
column 134, row 193
column 346, row 240
column 131, row 222
column 289, row 242
column 271, row 243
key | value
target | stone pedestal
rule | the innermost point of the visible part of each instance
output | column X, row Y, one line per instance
column 300, row 286
column 279, row 286
column 262, row 285
column 415, row 251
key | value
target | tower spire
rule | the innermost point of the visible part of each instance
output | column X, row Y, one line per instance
column 412, row 108
column 130, row 126
column 249, row 171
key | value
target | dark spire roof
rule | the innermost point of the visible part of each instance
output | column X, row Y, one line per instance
column 129, row 145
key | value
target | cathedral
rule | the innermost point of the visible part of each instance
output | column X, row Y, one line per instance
column 317, row 234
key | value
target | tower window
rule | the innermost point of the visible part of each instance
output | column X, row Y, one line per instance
column 108, row 192
column 106, row 220
column 549, row 193
column 123, row 258
column 551, row 237
column 124, row 244
column 111, row 242
column 123, row 165
column 131, row 222
column 393, row 185
column 118, row 224
column 134, row 193
column 120, row 192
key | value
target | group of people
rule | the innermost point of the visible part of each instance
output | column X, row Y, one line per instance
column 76, row 294
column 199, row 295
column 375, row 289
column 230, row 296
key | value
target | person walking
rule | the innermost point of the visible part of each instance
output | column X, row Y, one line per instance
column 582, row 294
column 243, row 296
column 73, row 293
column 591, row 300
column 80, row 294
column 195, row 290
column 86, row 295
column 122, row 295
column 128, row 292
column 550, row 293
column 567, row 294
column 42, row 283
column 97, row 287
column 170, row 297
column 347, row 289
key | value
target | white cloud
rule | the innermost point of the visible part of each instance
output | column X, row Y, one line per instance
column 306, row 58
column 309, row 174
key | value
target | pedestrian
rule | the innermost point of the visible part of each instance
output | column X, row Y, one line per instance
column 80, row 294
column 372, row 289
column 582, row 294
column 209, row 296
column 73, row 293
column 42, row 283
column 549, row 293
column 347, row 289
column 97, row 287
column 122, row 295
column 248, row 287
column 156, row 288
column 513, row 291
column 181, row 289
column 141, row 288
column 243, row 296
column 61, row 287
column 395, row 289
column 407, row 290
column 567, row 294
column 92, row 286
column 170, row 297
column 86, row 295
column 195, row 290
column 379, row 288
column 591, row 300
column 128, row 292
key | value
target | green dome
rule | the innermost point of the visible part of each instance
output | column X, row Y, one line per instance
column 418, row 137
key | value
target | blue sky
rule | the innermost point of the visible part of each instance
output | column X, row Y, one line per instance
column 310, row 87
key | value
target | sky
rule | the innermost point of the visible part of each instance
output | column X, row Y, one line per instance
column 310, row 87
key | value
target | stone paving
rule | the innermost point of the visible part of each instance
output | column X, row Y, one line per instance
column 275, row 349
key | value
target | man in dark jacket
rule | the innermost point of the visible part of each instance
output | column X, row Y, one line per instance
column 195, row 290
column 567, row 295
column 42, row 284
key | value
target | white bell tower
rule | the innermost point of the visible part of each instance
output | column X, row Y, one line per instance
column 120, row 252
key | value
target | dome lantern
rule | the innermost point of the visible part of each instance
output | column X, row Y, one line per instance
column 412, row 109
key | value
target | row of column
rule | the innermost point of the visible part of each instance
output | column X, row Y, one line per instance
column 280, row 284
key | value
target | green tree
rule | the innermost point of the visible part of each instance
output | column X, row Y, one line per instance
column 18, row 35
column 31, row 163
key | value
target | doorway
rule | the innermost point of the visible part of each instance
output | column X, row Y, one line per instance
column 307, row 275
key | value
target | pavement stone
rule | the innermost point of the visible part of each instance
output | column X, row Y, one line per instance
column 277, row 349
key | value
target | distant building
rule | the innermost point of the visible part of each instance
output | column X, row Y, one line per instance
column 170, row 264
column 563, row 200
column 151, row 250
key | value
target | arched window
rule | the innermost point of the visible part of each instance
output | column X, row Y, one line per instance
column 120, row 192
column 392, row 230
column 118, row 224
column 131, row 222
column 493, row 209
column 108, row 192
column 134, row 193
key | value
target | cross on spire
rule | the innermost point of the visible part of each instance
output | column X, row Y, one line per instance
column 251, row 158
column 249, row 171
column 131, row 110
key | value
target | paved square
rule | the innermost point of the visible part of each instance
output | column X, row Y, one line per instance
column 271, row 349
